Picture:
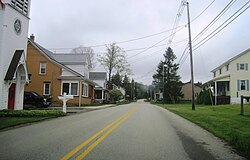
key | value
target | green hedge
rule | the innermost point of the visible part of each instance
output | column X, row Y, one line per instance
column 31, row 113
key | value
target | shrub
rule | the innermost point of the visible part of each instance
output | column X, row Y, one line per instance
column 115, row 94
column 204, row 98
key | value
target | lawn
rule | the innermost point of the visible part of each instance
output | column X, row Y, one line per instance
column 14, row 121
column 223, row 121
column 9, row 118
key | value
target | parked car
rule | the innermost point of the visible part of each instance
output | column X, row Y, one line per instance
column 34, row 99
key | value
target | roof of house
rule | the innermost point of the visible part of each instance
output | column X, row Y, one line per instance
column 51, row 56
column 97, row 75
column 198, row 84
column 13, row 65
column 73, row 58
column 232, row 59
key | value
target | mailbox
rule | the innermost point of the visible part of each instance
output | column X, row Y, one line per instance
column 64, row 98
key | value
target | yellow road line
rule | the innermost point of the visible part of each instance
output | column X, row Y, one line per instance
column 79, row 147
column 93, row 145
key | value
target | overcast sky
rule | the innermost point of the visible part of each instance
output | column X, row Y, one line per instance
column 61, row 25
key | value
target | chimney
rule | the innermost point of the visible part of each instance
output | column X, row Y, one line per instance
column 32, row 37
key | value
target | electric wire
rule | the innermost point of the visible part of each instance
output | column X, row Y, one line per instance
column 218, row 29
column 181, row 61
column 154, row 44
column 207, row 38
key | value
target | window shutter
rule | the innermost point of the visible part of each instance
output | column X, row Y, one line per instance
column 246, row 66
column 247, row 82
column 238, row 85
column 238, row 66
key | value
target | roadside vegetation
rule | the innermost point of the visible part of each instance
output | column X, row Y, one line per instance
column 223, row 121
column 9, row 118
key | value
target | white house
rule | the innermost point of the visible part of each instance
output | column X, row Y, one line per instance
column 101, row 91
column 75, row 61
column 231, row 79
column 14, row 23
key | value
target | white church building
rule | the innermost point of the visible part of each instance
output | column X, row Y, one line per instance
column 14, row 23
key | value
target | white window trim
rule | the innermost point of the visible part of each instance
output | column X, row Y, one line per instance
column 44, row 84
column 70, row 82
column 86, row 84
column 41, row 68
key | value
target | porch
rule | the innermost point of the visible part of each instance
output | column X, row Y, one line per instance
column 221, row 90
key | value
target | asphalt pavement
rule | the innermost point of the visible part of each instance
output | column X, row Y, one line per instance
column 136, row 131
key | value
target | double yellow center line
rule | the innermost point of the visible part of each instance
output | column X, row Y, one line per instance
column 105, row 132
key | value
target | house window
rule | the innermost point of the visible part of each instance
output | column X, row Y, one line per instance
column 42, row 67
column 85, row 89
column 242, row 85
column 227, row 67
column 242, row 66
column 220, row 71
column 46, row 88
column 214, row 74
column 70, row 88
column 74, row 88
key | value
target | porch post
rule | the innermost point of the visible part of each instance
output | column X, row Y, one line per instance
column 102, row 95
column 215, row 93
column 80, row 93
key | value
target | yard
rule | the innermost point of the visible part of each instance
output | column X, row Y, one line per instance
column 223, row 121
column 10, row 118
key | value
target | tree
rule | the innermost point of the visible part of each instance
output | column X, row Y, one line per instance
column 117, row 79
column 127, row 86
column 115, row 94
column 114, row 60
column 140, row 90
column 89, row 52
column 167, row 77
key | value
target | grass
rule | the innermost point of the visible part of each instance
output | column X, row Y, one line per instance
column 9, row 118
column 223, row 121
column 6, row 122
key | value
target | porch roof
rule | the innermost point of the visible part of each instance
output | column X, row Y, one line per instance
column 222, row 78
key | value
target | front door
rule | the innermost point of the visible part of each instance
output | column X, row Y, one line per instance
column 11, row 99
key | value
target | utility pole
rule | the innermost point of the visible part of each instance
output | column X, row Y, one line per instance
column 163, row 85
column 191, row 57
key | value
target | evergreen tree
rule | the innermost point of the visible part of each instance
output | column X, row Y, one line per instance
column 167, row 78
column 117, row 79
column 127, row 86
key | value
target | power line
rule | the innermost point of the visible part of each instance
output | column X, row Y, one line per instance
column 136, row 39
column 207, row 27
column 207, row 38
column 156, row 52
column 203, row 11
column 119, row 42
column 154, row 44
column 176, row 23
column 220, row 28
column 229, row 5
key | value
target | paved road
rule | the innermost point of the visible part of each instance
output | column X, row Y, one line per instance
column 138, row 131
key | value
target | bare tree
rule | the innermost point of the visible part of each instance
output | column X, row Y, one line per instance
column 89, row 54
column 114, row 60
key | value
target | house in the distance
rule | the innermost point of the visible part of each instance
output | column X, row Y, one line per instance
column 231, row 79
column 101, row 90
column 52, row 74
column 187, row 91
